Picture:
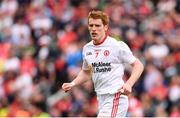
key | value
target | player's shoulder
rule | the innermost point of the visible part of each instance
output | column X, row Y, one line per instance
column 89, row 44
column 116, row 42
column 111, row 40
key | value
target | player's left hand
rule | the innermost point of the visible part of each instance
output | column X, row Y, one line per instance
column 125, row 89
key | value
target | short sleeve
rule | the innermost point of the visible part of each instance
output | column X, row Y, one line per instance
column 126, row 54
column 85, row 63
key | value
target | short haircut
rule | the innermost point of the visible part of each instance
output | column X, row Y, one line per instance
column 96, row 14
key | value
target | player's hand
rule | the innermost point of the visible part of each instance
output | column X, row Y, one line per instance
column 67, row 86
column 125, row 89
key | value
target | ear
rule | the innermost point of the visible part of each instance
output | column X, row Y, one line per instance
column 106, row 27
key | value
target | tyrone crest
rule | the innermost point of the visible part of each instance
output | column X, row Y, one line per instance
column 106, row 53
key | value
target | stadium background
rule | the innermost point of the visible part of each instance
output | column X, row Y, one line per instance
column 40, row 48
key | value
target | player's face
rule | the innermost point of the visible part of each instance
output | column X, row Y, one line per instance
column 97, row 29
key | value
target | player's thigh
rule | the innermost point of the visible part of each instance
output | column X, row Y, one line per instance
column 112, row 108
column 123, row 106
column 105, row 105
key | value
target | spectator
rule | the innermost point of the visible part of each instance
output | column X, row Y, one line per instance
column 51, row 34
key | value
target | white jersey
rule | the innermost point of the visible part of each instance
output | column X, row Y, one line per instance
column 106, row 62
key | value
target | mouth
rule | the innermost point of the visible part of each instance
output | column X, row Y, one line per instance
column 93, row 34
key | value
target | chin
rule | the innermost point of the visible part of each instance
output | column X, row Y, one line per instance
column 94, row 39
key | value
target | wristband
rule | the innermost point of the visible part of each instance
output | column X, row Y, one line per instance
column 73, row 83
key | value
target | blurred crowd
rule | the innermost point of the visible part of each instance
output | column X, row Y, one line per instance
column 41, row 44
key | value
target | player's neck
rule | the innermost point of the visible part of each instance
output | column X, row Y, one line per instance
column 99, row 42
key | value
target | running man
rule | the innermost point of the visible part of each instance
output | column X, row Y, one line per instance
column 103, row 62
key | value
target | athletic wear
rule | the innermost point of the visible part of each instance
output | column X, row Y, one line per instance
column 106, row 62
column 112, row 105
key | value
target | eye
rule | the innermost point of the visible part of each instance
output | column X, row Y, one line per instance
column 90, row 25
column 97, row 25
column 94, row 25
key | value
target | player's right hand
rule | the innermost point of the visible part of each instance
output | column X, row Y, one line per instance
column 67, row 86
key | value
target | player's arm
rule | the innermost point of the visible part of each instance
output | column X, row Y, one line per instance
column 137, row 69
column 136, row 72
column 82, row 77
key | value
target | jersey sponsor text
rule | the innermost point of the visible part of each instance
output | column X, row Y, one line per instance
column 101, row 67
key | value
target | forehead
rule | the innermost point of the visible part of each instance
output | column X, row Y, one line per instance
column 95, row 21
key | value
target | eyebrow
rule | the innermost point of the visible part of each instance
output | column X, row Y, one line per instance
column 94, row 24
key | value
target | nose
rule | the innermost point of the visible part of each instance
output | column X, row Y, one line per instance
column 93, row 28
